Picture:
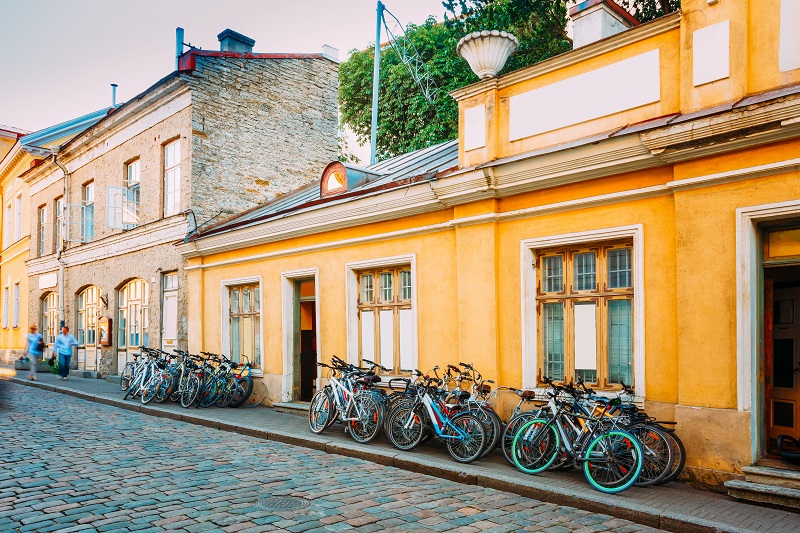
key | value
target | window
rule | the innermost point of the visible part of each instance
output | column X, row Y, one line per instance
column 15, row 323
column 172, row 178
column 87, row 213
column 584, row 303
column 8, row 225
column 87, row 315
column 133, row 315
column 384, row 316
column 58, row 223
column 49, row 318
column 169, row 312
column 245, row 323
column 6, row 302
column 123, row 202
column 42, row 227
column 18, row 218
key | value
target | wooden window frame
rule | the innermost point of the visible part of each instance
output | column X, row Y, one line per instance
column 377, row 304
column 569, row 297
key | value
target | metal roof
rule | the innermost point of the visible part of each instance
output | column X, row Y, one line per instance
column 428, row 161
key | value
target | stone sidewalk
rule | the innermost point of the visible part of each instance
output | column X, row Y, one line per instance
column 674, row 507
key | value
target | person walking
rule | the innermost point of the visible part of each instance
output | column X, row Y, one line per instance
column 35, row 348
column 63, row 347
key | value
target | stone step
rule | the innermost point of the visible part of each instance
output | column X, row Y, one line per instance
column 295, row 408
column 89, row 374
column 768, row 475
column 759, row 492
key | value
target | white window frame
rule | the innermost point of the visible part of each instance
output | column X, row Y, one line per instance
column 528, row 247
column 16, row 297
column 42, row 216
column 351, row 280
column 58, row 225
column 287, row 316
column 18, row 217
column 172, row 207
column 6, row 303
column 225, row 323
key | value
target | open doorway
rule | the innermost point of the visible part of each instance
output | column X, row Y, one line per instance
column 781, row 342
column 304, row 356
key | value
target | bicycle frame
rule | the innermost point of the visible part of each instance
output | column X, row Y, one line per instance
column 439, row 420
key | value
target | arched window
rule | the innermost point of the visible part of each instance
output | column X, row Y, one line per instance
column 87, row 315
column 49, row 318
column 133, row 315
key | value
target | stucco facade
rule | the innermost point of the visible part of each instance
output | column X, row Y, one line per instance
column 686, row 176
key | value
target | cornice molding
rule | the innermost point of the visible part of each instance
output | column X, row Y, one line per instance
column 609, row 44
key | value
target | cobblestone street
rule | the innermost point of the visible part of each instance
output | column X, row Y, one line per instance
column 72, row 465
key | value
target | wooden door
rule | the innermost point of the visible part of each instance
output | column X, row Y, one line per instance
column 784, row 397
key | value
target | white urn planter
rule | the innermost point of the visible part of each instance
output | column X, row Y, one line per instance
column 487, row 51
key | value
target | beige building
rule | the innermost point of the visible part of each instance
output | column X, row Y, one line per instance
column 215, row 137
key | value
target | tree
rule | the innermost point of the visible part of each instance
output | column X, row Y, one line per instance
column 647, row 10
column 406, row 120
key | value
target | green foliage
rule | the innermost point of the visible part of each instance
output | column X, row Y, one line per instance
column 647, row 10
column 406, row 121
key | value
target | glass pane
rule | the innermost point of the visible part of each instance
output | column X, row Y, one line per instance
column 620, row 342
column 386, row 286
column 121, row 328
column 256, row 299
column 245, row 300
column 405, row 284
column 366, row 288
column 553, row 335
column 552, row 274
column 782, row 414
column 257, row 340
column 585, row 275
column 236, row 349
column 619, row 268
column 234, row 300
column 783, row 368
column 586, row 341
column 81, row 334
column 367, row 335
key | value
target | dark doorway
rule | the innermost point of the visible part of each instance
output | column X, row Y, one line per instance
column 305, row 345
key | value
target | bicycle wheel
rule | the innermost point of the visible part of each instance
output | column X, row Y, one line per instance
column 658, row 455
column 180, row 386
column 613, row 461
column 367, row 413
column 151, row 387
column 209, row 391
column 510, row 431
column 493, row 426
column 678, row 458
column 126, row 376
column 226, row 392
column 473, row 439
column 406, row 426
column 165, row 387
column 535, row 446
column 320, row 412
column 189, row 394
column 243, row 391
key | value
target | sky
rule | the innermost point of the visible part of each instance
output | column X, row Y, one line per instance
column 60, row 56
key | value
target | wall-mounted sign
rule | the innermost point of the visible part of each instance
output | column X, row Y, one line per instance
column 104, row 331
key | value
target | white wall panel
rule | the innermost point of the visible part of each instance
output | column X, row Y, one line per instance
column 627, row 84
column 586, row 336
column 387, row 339
column 368, row 335
column 711, row 53
column 789, row 55
column 406, row 340
column 475, row 127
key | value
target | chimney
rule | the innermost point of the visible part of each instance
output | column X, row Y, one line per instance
column 597, row 19
column 231, row 41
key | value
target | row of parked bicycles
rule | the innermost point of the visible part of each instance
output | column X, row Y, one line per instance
column 566, row 426
column 199, row 380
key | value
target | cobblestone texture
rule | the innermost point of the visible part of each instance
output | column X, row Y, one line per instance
column 72, row 465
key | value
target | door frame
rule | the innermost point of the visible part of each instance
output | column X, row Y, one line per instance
column 288, row 279
column 750, row 391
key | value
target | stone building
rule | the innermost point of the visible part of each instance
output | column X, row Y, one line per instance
column 226, row 131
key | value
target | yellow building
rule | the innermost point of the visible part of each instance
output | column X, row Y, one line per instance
column 21, row 152
column 625, row 212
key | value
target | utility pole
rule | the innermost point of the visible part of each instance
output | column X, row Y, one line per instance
column 375, row 77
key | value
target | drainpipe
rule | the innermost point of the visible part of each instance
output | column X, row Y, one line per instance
column 60, row 252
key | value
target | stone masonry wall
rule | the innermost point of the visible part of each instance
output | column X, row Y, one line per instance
column 261, row 128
